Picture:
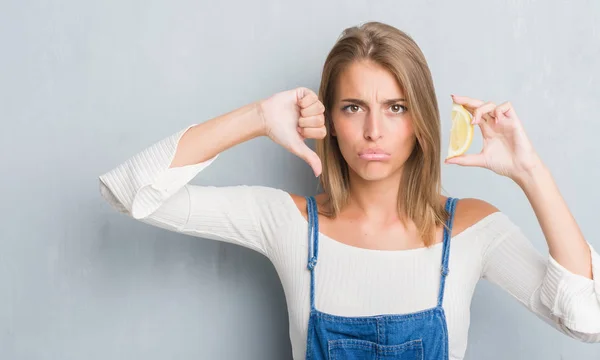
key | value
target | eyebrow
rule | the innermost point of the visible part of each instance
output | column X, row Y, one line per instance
column 364, row 103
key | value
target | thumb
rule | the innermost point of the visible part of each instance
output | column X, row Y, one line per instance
column 467, row 160
column 310, row 157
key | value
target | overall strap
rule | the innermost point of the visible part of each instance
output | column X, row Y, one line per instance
column 313, row 244
column 450, row 207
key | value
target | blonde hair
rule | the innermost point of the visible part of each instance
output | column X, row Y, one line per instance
column 396, row 51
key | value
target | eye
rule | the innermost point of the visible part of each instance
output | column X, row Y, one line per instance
column 353, row 107
column 397, row 107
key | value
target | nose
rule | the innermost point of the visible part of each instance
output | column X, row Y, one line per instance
column 372, row 128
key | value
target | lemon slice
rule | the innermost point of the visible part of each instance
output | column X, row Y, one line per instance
column 461, row 133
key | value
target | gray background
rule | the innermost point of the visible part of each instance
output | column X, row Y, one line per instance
column 84, row 85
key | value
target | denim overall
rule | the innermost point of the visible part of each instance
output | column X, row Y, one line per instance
column 421, row 335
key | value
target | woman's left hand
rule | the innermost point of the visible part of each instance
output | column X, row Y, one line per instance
column 506, row 148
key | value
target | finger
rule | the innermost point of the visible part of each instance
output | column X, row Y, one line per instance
column 505, row 110
column 310, row 157
column 467, row 160
column 488, row 118
column 316, row 108
column 312, row 121
column 499, row 115
column 306, row 97
column 469, row 103
column 480, row 111
column 313, row 133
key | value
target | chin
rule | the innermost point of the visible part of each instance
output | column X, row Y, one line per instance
column 373, row 177
column 374, row 171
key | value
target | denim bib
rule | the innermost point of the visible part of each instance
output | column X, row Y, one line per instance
column 422, row 335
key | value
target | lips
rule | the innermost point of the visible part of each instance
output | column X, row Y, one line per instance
column 374, row 154
column 373, row 151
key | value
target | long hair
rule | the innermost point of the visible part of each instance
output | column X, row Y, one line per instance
column 397, row 52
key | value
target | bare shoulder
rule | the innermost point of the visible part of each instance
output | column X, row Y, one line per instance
column 470, row 211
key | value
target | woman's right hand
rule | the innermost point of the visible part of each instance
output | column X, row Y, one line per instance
column 292, row 116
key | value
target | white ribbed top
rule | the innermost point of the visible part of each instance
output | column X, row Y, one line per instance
column 352, row 281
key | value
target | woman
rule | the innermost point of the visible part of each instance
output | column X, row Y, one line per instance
column 389, row 282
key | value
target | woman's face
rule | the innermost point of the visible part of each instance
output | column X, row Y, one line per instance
column 372, row 124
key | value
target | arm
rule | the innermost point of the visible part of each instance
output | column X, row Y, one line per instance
column 573, row 264
column 566, row 290
column 508, row 152
column 566, row 243
column 152, row 185
column 140, row 184
column 567, row 301
column 205, row 141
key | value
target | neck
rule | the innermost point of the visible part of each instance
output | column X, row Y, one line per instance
column 376, row 201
